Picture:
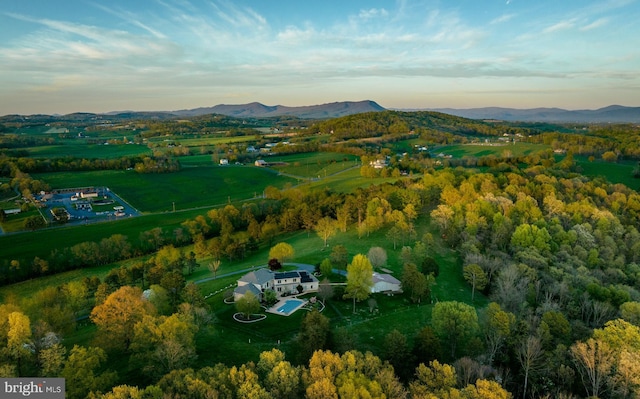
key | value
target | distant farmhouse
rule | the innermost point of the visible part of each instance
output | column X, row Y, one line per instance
column 282, row 283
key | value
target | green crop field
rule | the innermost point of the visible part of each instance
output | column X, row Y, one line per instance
column 484, row 149
column 188, row 188
column 81, row 149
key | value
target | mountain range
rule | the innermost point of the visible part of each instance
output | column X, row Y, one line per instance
column 610, row 114
column 258, row 110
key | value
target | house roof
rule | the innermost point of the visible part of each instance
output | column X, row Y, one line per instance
column 304, row 276
column 260, row 276
column 243, row 289
column 386, row 278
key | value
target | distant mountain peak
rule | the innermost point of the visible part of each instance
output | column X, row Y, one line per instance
column 259, row 110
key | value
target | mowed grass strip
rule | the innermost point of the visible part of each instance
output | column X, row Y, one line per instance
column 188, row 188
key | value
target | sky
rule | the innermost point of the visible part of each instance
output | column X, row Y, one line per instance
column 63, row 56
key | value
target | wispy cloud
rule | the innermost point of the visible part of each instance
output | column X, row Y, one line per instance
column 560, row 26
column 595, row 24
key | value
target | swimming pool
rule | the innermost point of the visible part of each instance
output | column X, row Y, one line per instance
column 290, row 306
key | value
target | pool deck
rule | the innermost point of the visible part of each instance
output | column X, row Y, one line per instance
column 282, row 301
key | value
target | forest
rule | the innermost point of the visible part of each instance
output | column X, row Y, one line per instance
column 550, row 259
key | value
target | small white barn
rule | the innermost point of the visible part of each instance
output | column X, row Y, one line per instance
column 385, row 283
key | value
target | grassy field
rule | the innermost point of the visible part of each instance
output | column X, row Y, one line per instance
column 313, row 165
column 188, row 188
column 483, row 150
column 80, row 149
column 613, row 172
column 349, row 180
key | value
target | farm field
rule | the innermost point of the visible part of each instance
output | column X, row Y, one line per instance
column 483, row 150
column 313, row 165
column 188, row 188
column 81, row 149
column 349, row 180
column 614, row 172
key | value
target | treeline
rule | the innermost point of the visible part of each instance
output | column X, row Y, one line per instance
column 158, row 163
column 374, row 124
column 620, row 140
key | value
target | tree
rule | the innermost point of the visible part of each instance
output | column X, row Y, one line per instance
column 281, row 251
column 396, row 351
column 426, row 345
column 326, row 267
column 414, row 282
column 359, row 279
column 339, row 256
column 274, row 264
column 454, row 322
column 313, row 335
column 164, row 343
column 248, row 304
column 496, row 325
column 529, row 356
column 394, row 234
column 594, row 360
column 34, row 222
column 326, row 228
column 117, row 316
column 377, row 256
column 325, row 290
column 18, row 337
column 81, row 372
column 630, row 312
column 214, row 266
column 475, row 276
column 429, row 266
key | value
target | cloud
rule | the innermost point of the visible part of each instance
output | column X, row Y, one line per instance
column 373, row 13
column 595, row 24
column 560, row 26
column 502, row 18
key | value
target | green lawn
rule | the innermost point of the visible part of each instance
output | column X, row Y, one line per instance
column 188, row 188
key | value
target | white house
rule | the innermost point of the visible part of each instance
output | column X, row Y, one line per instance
column 260, row 162
column 224, row 161
column 282, row 283
column 385, row 283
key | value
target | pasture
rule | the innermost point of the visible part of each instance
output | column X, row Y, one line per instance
column 188, row 188
column 313, row 165
column 478, row 150
column 81, row 149
column 619, row 172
